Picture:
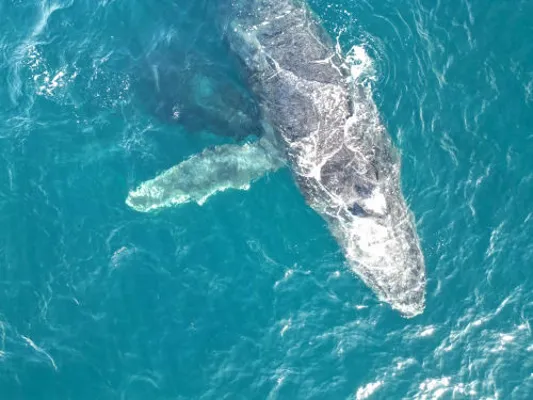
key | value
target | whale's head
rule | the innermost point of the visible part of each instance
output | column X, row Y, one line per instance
column 380, row 241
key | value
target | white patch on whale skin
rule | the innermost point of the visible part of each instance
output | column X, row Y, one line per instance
column 205, row 174
column 377, row 203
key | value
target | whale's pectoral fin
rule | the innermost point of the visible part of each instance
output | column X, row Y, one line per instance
column 214, row 170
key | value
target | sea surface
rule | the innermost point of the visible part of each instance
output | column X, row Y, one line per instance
column 248, row 296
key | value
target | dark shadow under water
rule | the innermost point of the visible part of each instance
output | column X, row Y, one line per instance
column 188, row 75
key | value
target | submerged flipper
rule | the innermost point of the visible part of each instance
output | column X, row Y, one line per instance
column 214, row 170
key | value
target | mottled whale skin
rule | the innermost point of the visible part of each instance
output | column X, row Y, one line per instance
column 341, row 155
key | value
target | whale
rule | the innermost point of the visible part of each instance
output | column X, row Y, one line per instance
column 324, row 126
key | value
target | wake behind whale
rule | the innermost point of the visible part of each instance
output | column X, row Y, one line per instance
column 326, row 125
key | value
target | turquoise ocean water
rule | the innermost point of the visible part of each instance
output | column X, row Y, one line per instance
column 249, row 296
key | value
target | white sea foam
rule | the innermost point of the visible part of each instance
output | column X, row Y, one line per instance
column 364, row 392
column 27, row 54
column 361, row 65
column 47, row 81
column 434, row 388
column 428, row 331
column 39, row 350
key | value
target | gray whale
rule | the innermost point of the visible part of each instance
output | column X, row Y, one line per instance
column 328, row 131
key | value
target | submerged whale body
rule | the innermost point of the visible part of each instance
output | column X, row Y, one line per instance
column 179, row 83
column 329, row 131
